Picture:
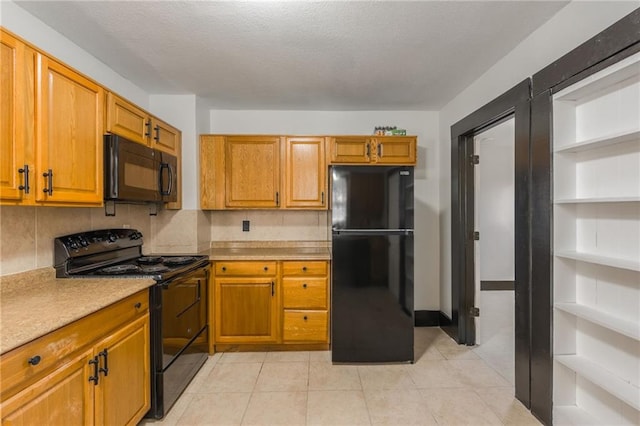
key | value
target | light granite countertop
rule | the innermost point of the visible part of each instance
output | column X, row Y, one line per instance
column 35, row 303
column 270, row 250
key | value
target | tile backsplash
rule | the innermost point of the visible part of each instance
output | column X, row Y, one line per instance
column 27, row 233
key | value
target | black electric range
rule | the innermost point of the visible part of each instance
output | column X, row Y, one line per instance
column 177, row 302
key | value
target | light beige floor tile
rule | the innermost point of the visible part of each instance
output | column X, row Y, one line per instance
column 283, row 376
column 243, row 357
column 476, row 373
column 276, row 408
column 334, row 408
column 397, row 407
column 505, row 405
column 458, row 407
column 426, row 354
column 435, row 374
column 215, row 409
column 326, row 376
column 231, row 377
column 320, row 356
column 451, row 350
column 385, row 377
column 426, row 336
column 287, row 356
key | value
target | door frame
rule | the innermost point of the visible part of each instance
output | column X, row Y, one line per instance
column 513, row 103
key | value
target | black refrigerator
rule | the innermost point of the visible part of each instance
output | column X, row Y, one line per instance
column 372, row 264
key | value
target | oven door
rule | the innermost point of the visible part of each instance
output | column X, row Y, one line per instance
column 179, row 337
column 132, row 171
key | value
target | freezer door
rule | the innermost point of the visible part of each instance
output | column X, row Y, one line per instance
column 372, row 298
column 372, row 197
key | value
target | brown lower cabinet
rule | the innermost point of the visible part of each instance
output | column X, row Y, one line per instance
column 274, row 303
column 93, row 371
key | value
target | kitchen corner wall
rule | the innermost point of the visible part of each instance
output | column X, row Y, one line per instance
column 270, row 225
column 27, row 233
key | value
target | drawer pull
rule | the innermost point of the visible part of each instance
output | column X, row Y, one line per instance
column 304, row 269
column 35, row 360
column 224, row 269
column 266, row 268
column 137, row 305
column 304, row 285
column 304, row 317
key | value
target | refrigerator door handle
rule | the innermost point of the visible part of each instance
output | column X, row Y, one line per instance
column 337, row 231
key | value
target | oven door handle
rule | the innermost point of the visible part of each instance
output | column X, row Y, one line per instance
column 171, row 281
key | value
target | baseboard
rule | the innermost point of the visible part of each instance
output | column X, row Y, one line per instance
column 427, row 318
column 443, row 319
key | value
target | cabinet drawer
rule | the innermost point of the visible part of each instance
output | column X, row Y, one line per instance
column 304, row 268
column 304, row 293
column 246, row 268
column 50, row 350
column 307, row 326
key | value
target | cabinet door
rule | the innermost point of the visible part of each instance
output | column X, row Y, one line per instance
column 350, row 149
column 246, row 310
column 395, row 150
column 165, row 137
column 252, row 171
column 70, row 136
column 123, row 391
column 64, row 397
column 212, row 175
column 127, row 120
column 17, row 121
column 305, row 177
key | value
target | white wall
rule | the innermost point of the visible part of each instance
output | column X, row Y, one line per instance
column 36, row 32
column 423, row 124
column 571, row 26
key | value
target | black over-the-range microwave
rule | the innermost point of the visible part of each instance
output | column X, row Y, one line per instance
column 137, row 173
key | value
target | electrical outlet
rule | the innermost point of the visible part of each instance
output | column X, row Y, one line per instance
column 245, row 226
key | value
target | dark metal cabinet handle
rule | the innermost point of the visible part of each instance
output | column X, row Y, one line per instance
column 224, row 269
column 304, row 317
column 322, row 196
column 26, row 186
column 380, row 150
column 35, row 360
column 157, row 136
column 304, row 285
column 104, row 369
column 266, row 268
column 273, row 288
column 304, row 269
column 49, row 176
column 137, row 305
column 277, row 198
column 147, row 126
column 95, row 376
column 368, row 150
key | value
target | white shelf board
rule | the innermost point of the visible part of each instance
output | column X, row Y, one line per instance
column 615, row 262
column 625, row 327
column 597, row 200
column 597, row 375
column 573, row 415
column 620, row 137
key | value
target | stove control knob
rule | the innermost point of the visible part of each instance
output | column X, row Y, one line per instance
column 112, row 238
column 73, row 244
column 84, row 242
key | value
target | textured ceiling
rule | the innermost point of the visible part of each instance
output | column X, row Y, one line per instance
column 351, row 55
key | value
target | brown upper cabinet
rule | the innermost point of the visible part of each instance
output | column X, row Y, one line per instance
column 263, row 172
column 129, row 121
column 51, row 140
column 388, row 150
column 305, row 181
